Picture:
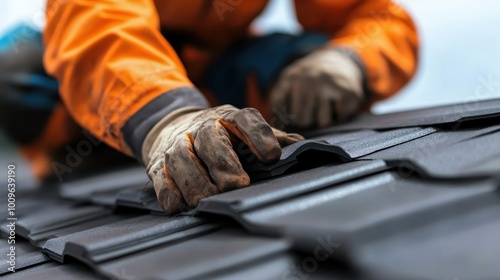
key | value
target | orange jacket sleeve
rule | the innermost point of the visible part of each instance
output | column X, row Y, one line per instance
column 379, row 32
column 118, row 76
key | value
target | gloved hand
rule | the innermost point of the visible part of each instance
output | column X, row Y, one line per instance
column 189, row 154
column 318, row 90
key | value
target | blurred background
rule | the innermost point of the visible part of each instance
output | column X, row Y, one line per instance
column 459, row 50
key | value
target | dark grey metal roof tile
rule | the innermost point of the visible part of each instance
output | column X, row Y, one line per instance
column 471, row 158
column 259, row 172
column 105, row 198
column 51, row 271
column 288, row 186
column 449, row 154
column 57, row 217
column 83, row 189
column 358, row 144
column 228, row 253
column 139, row 197
column 202, row 256
column 40, row 238
column 30, row 272
column 430, row 142
column 344, row 146
column 125, row 188
column 379, row 199
column 117, row 239
column 32, row 201
column 362, row 210
column 25, row 256
column 268, row 268
column 462, row 246
column 456, row 113
column 24, row 206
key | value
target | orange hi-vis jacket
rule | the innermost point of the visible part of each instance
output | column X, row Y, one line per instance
column 118, row 74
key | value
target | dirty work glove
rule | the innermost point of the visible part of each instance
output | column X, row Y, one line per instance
column 189, row 154
column 318, row 90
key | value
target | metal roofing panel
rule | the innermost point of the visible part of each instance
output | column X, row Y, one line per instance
column 25, row 255
column 29, row 272
column 288, row 186
column 476, row 111
column 53, row 271
column 57, row 216
column 139, row 197
column 462, row 153
column 358, row 211
column 124, row 237
column 82, row 189
column 201, row 257
column 379, row 199
column 464, row 246
column 344, row 146
column 40, row 238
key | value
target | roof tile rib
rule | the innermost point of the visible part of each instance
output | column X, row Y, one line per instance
column 449, row 154
column 477, row 112
column 26, row 256
column 347, row 146
column 124, row 237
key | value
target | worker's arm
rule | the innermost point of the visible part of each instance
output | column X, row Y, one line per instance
column 118, row 76
column 371, row 55
column 121, row 80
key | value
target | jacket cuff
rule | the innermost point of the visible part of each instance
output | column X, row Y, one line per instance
column 138, row 126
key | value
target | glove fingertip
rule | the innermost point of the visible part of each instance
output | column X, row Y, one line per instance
column 294, row 137
column 169, row 195
column 171, row 203
column 273, row 153
column 286, row 139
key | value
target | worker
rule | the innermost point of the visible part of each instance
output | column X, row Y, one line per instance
column 179, row 85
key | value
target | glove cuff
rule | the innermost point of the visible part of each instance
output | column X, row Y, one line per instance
column 150, row 142
column 140, row 124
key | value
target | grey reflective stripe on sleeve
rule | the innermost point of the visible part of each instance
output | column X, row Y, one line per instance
column 137, row 127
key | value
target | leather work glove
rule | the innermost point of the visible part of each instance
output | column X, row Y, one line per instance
column 318, row 90
column 189, row 154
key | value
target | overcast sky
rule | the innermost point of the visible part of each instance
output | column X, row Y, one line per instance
column 460, row 46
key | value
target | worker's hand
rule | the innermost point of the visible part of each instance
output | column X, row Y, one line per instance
column 318, row 90
column 189, row 155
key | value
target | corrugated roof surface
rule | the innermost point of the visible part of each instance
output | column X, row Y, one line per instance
column 410, row 195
